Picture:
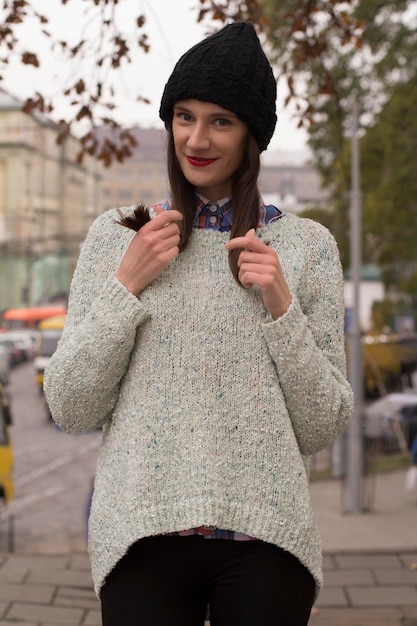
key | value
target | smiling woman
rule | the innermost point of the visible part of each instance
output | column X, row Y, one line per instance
column 205, row 336
column 209, row 143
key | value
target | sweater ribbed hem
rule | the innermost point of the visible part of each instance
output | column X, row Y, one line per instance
column 255, row 521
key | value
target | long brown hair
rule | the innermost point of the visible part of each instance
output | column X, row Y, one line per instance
column 245, row 196
column 245, row 199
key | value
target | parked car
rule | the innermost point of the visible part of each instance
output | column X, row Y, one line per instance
column 15, row 354
column 24, row 341
column 50, row 330
column 392, row 420
column 50, row 333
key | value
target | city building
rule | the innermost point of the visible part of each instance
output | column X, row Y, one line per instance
column 47, row 202
column 292, row 186
column 140, row 178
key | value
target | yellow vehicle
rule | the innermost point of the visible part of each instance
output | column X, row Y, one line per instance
column 29, row 317
column 50, row 333
column 6, row 451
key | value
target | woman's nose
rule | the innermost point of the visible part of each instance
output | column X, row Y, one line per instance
column 198, row 137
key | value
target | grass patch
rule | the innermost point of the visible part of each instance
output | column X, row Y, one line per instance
column 376, row 464
column 386, row 462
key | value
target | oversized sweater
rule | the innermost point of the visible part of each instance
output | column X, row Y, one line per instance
column 209, row 408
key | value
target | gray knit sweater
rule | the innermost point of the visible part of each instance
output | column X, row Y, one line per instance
column 209, row 407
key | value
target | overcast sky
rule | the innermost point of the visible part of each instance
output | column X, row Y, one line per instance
column 172, row 29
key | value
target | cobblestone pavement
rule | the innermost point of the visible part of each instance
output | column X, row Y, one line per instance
column 361, row 590
column 47, row 590
column 375, row 589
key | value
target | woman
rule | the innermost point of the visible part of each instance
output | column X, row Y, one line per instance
column 209, row 347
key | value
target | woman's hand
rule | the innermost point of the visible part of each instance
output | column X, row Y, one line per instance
column 259, row 265
column 151, row 250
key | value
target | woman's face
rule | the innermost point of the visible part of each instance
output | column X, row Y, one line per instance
column 209, row 145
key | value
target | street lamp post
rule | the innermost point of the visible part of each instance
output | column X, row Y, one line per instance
column 355, row 362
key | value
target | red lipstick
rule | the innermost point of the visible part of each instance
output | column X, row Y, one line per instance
column 199, row 161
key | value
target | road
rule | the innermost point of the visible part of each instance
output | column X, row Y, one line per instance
column 53, row 475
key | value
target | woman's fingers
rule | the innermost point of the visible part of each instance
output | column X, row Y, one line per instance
column 162, row 227
column 150, row 251
column 164, row 219
column 159, row 236
column 162, row 230
column 259, row 265
column 257, row 258
column 248, row 242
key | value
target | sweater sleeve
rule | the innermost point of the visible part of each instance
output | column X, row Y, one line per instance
column 307, row 347
column 82, row 380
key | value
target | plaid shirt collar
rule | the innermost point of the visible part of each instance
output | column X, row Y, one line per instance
column 223, row 209
column 267, row 213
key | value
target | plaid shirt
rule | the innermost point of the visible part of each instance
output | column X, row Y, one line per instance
column 218, row 216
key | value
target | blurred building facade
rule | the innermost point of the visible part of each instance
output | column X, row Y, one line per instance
column 142, row 177
column 293, row 187
column 48, row 200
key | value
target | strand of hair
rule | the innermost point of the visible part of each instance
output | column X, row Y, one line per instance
column 139, row 218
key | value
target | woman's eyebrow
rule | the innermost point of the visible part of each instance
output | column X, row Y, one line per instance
column 219, row 113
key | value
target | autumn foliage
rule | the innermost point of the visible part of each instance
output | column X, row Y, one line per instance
column 300, row 34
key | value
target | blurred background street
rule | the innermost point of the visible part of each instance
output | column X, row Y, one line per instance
column 53, row 474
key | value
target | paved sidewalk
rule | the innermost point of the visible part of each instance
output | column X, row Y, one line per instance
column 368, row 589
column 369, row 565
column 47, row 591
column 370, row 559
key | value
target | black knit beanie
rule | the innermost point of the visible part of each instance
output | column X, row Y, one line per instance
column 230, row 69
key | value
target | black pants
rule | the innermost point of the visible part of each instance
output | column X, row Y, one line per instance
column 170, row 581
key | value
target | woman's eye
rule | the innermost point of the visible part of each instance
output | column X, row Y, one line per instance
column 186, row 117
column 222, row 121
